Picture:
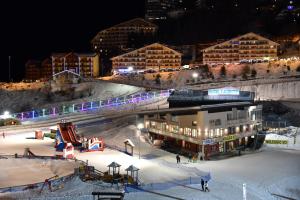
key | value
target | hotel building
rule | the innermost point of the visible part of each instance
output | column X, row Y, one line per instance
column 86, row 65
column 247, row 47
column 117, row 38
column 155, row 56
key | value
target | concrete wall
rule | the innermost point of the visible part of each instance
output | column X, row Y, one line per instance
column 275, row 91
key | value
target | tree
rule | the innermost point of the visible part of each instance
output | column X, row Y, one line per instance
column 288, row 68
column 246, row 70
column 157, row 79
column 205, row 68
column 253, row 73
column 298, row 69
column 223, row 71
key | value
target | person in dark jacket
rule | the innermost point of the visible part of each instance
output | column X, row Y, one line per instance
column 178, row 159
column 202, row 184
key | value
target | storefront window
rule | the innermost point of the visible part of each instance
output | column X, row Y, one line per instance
column 194, row 133
column 152, row 124
column 221, row 147
column 211, row 133
column 174, row 129
column 187, row 131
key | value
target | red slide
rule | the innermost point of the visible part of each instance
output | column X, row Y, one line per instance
column 68, row 133
column 72, row 135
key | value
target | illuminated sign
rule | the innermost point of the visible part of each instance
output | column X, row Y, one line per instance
column 208, row 142
column 229, row 138
column 223, row 91
column 276, row 141
column 290, row 7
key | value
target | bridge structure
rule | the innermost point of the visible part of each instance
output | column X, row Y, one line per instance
column 95, row 105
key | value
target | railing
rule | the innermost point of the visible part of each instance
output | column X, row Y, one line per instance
column 95, row 105
column 195, row 140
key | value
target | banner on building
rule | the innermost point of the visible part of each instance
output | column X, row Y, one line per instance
column 276, row 141
column 229, row 138
column 208, row 142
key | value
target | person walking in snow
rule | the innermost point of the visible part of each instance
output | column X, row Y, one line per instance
column 3, row 135
column 202, row 184
column 178, row 159
column 206, row 187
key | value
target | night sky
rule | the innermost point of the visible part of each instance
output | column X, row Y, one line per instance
column 36, row 28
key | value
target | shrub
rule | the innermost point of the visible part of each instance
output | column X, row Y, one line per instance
column 246, row 70
column 298, row 68
column 223, row 71
column 157, row 79
column 253, row 73
column 234, row 76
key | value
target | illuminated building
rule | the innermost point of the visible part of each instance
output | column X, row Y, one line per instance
column 208, row 129
column 86, row 65
column 116, row 39
column 46, row 68
column 245, row 47
column 155, row 56
column 121, row 38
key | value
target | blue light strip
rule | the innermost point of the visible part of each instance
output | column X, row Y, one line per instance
column 87, row 106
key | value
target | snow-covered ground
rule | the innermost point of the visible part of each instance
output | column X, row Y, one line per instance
column 269, row 170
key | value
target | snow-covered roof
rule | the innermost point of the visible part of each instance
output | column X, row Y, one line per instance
column 114, row 164
column 128, row 141
column 132, row 168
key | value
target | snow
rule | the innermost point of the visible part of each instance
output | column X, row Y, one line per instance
column 269, row 170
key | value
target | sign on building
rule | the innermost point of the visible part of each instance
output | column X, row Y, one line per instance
column 208, row 142
column 223, row 91
column 276, row 141
column 229, row 138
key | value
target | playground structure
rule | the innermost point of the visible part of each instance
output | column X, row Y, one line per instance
column 92, row 144
column 66, row 139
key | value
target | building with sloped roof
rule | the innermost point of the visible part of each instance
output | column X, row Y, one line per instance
column 154, row 56
column 246, row 47
column 118, row 37
column 84, row 64
column 122, row 38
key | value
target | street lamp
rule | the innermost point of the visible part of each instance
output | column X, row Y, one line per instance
column 195, row 76
column 140, row 126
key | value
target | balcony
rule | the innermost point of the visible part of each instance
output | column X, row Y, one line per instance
column 176, row 135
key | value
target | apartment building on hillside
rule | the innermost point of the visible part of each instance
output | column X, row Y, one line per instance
column 246, row 47
column 154, row 56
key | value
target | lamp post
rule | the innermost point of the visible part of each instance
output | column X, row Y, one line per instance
column 140, row 126
column 195, row 76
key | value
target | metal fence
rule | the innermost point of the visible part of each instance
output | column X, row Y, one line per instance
column 94, row 105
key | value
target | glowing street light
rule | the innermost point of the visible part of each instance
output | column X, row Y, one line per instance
column 6, row 115
column 195, row 75
column 130, row 69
